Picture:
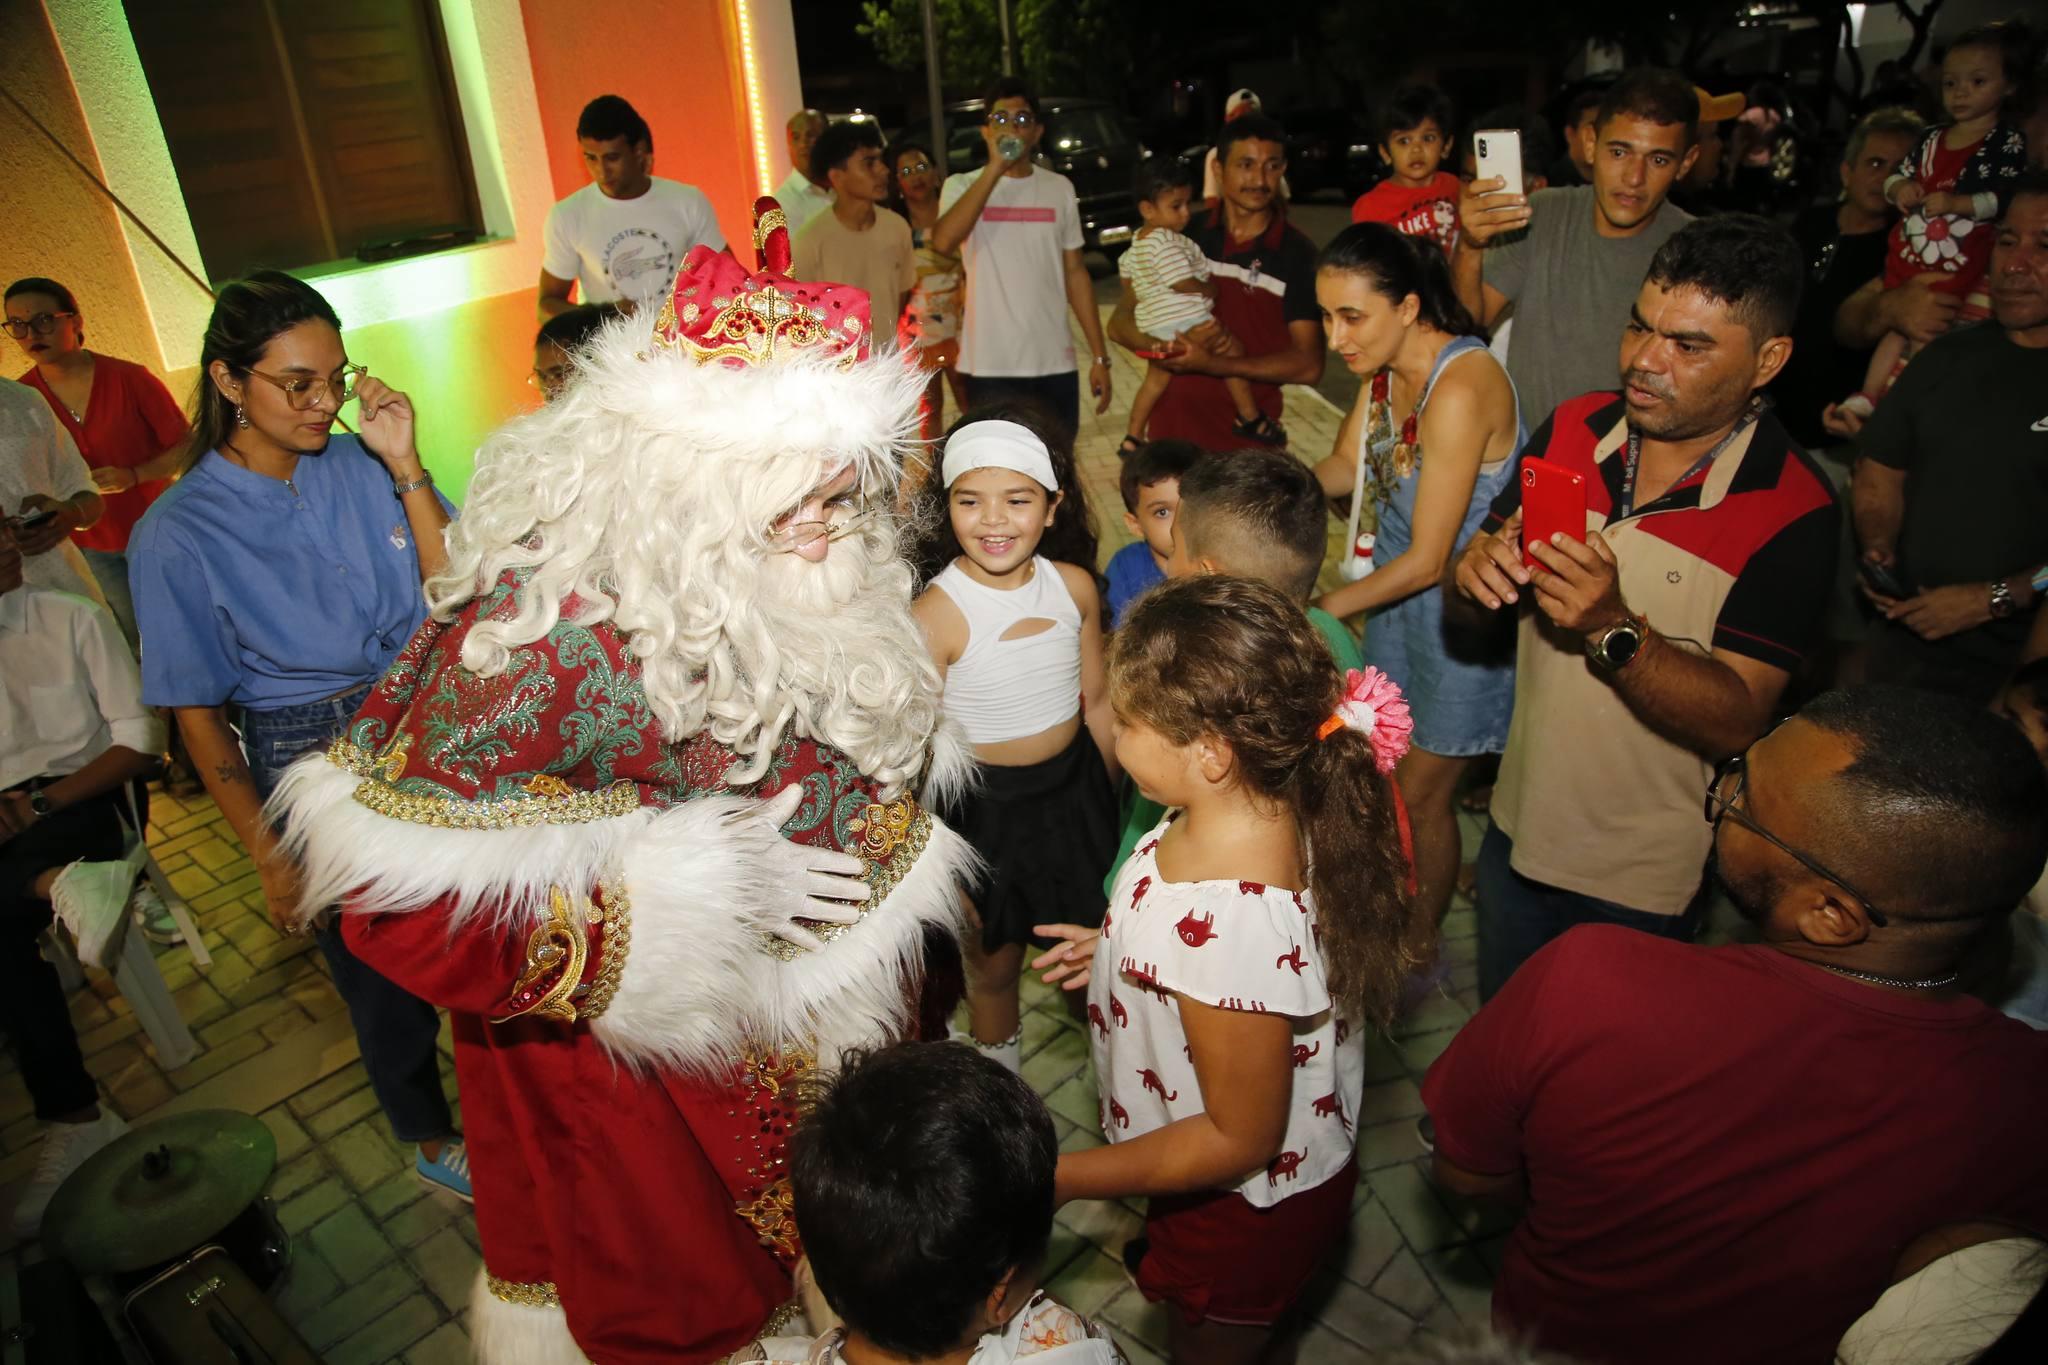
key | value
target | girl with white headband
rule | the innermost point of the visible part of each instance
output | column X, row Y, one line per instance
column 1014, row 622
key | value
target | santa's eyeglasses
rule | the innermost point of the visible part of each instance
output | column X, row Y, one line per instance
column 798, row 535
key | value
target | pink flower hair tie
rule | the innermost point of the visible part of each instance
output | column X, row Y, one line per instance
column 1373, row 706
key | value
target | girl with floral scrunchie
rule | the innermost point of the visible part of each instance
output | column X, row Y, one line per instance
column 1250, row 938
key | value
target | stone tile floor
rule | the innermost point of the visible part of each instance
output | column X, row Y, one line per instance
column 382, row 1267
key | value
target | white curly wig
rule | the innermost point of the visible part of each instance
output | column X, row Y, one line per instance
column 646, row 493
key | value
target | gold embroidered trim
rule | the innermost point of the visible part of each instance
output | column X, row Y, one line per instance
column 771, row 1327
column 548, row 800
column 558, row 946
column 773, row 1217
column 892, row 837
column 540, row 1295
column 616, row 916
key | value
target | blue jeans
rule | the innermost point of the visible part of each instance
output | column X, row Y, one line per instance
column 1517, row 916
column 110, row 571
column 395, row 1029
column 1058, row 394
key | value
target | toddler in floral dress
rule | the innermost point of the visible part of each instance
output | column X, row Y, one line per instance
column 1950, row 192
column 1251, row 939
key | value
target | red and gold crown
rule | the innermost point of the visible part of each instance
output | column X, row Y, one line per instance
column 717, row 311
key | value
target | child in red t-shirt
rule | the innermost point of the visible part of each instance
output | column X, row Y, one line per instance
column 1950, row 191
column 1419, row 198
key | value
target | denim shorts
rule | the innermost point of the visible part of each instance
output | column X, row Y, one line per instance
column 272, row 739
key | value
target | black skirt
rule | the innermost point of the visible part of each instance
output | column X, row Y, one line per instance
column 1047, row 833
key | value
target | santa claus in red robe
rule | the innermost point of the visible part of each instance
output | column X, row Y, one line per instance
column 642, row 805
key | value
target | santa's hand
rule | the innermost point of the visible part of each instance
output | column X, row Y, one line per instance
column 822, row 885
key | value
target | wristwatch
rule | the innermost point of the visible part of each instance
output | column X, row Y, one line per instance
column 1616, row 647
column 2003, row 603
column 39, row 804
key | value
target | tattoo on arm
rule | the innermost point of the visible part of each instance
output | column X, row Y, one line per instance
column 231, row 773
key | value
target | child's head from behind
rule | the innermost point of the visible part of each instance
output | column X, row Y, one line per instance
column 1165, row 187
column 1150, row 483
column 2024, row 701
column 1007, row 489
column 1985, row 67
column 923, row 1182
column 1254, row 513
column 1219, row 684
column 1415, row 133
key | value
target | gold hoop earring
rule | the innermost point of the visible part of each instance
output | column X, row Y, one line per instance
column 241, row 419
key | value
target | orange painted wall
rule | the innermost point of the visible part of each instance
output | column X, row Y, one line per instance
column 677, row 62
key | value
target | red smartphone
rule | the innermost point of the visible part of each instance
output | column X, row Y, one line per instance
column 1553, row 501
column 1151, row 355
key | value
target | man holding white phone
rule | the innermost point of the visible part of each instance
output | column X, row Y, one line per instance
column 1659, row 641
column 1572, row 274
column 41, row 472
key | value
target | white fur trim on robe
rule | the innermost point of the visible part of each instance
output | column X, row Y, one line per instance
column 502, row 1333
column 699, row 989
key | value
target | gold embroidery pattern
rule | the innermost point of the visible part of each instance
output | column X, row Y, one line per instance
column 549, row 800
column 773, row 1217
column 891, row 839
column 766, row 224
column 558, row 947
column 776, row 1321
column 616, row 917
column 542, row 1295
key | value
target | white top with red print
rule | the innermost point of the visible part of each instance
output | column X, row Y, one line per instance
column 1237, row 946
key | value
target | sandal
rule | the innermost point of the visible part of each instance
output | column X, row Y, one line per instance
column 1129, row 446
column 1263, row 430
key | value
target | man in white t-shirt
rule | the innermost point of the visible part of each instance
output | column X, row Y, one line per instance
column 857, row 241
column 41, row 471
column 802, row 193
column 1017, row 228
column 622, row 237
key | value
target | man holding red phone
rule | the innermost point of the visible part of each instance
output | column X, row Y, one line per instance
column 1662, row 633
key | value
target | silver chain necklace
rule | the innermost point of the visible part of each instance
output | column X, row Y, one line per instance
column 1925, row 984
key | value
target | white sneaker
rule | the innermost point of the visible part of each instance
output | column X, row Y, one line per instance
column 66, row 1147
column 151, row 915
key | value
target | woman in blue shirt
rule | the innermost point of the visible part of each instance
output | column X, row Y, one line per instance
column 274, row 583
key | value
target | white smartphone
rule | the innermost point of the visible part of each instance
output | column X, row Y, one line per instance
column 1498, row 152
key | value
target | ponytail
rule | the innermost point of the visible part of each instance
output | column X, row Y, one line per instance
column 1235, row 658
column 1398, row 265
column 247, row 316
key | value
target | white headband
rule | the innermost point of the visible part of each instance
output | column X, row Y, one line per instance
column 998, row 444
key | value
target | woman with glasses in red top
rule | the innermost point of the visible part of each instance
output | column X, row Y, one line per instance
column 122, row 418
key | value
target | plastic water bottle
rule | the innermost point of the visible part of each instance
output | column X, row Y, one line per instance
column 1010, row 147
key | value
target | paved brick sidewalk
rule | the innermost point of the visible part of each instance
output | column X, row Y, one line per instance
column 382, row 1266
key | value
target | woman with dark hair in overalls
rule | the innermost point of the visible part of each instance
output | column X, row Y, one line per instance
column 274, row 583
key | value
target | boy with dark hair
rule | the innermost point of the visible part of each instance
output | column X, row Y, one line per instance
column 923, row 1185
column 1150, row 483
column 622, row 237
column 856, row 241
column 555, row 345
column 1578, row 118
column 1419, row 197
column 1169, row 278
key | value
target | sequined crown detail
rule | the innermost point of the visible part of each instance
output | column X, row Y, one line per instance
column 720, row 312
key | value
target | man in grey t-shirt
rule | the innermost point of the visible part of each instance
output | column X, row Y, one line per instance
column 1573, row 275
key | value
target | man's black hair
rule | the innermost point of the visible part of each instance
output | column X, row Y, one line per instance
column 1943, row 813
column 1656, row 94
column 1013, row 88
column 1152, row 462
column 923, row 1175
column 571, row 327
column 2033, row 180
column 1161, row 172
column 1247, row 128
column 1267, row 506
column 1749, row 263
column 1588, row 97
column 609, row 116
column 1409, row 105
column 837, row 143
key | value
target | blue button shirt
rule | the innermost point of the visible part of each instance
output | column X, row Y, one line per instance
column 265, row 594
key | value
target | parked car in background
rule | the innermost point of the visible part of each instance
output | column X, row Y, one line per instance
column 1086, row 140
column 1330, row 149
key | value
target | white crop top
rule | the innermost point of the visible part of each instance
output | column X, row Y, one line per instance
column 1009, row 689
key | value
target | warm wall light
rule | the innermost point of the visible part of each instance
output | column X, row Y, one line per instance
column 750, row 66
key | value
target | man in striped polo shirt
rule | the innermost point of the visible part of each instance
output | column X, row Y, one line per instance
column 1661, row 644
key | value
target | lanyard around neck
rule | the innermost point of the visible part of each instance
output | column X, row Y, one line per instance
column 1632, row 463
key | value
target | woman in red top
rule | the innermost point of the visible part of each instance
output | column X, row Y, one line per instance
column 124, row 420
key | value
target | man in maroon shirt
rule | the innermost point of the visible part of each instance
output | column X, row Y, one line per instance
column 1722, row 1151
column 1264, row 270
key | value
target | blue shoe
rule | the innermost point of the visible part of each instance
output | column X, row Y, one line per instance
column 450, row 1173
